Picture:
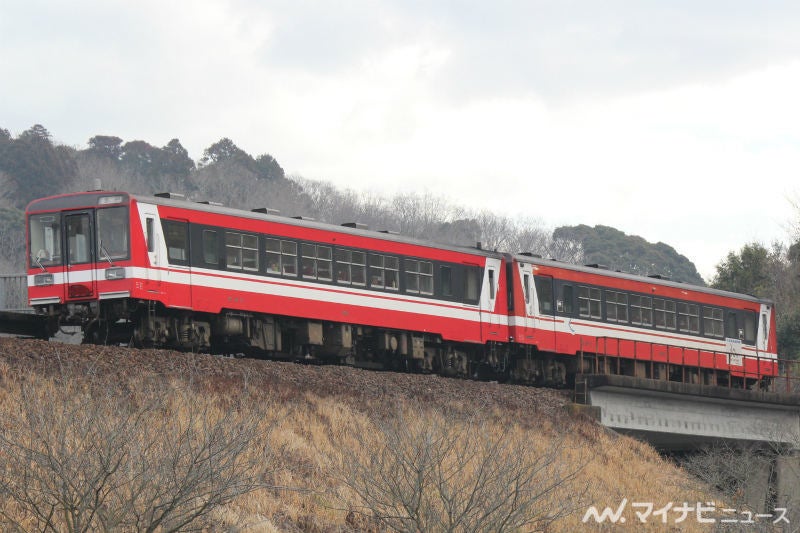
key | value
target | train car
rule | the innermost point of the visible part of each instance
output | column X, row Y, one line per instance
column 591, row 320
column 163, row 271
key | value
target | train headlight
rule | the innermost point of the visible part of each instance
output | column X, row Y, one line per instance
column 115, row 273
column 41, row 280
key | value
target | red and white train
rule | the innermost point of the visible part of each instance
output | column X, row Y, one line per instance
column 162, row 271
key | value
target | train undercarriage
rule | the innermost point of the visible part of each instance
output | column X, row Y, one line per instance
column 144, row 324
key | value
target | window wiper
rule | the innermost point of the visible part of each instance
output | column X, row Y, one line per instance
column 105, row 253
column 38, row 259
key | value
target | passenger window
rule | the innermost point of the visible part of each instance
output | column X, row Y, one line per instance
column 472, row 289
column 281, row 257
column 589, row 302
column 317, row 262
column 384, row 272
column 731, row 328
column 544, row 291
column 749, row 327
column 616, row 306
column 664, row 313
column 419, row 276
column 176, row 236
column 447, row 280
column 241, row 251
column 210, row 248
column 712, row 322
column 491, row 283
column 567, row 297
column 350, row 267
column 641, row 310
column 688, row 318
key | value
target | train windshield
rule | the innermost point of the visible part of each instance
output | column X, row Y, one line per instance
column 45, row 236
column 112, row 233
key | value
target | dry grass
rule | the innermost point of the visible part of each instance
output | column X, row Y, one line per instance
column 312, row 432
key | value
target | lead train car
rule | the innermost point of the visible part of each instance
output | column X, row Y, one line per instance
column 161, row 271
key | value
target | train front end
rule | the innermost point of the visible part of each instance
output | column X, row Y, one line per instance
column 79, row 258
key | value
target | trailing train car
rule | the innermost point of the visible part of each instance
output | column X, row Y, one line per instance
column 647, row 327
column 163, row 271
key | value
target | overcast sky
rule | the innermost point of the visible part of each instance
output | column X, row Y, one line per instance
column 673, row 120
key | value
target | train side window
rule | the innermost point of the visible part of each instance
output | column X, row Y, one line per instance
column 176, row 237
column 749, row 327
column 289, row 258
column 641, row 310
column 419, row 276
column 731, row 327
column 472, row 290
column 446, row 275
column 210, row 247
column 272, row 248
column 281, row 257
column 343, row 262
column 664, row 313
column 317, row 262
column 526, row 281
column 350, row 267
column 764, row 328
column 544, row 291
column 383, row 272
column 589, row 302
column 241, row 251
column 688, row 318
column 565, row 303
column 712, row 322
column 151, row 241
column 616, row 306
column 491, row 283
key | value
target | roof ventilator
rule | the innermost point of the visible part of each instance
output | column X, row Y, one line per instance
column 171, row 195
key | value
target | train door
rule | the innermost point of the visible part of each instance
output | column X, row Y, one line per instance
column 545, row 335
column 148, row 214
column 80, row 279
column 178, row 274
column 490, row 318
column 527, row 318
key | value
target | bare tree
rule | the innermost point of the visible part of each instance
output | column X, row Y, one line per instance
column 457, row 474
column 82, row 458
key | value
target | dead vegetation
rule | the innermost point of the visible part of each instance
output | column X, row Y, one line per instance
column 112, row 439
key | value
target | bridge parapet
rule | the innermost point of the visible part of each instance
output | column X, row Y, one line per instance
column 675, row 416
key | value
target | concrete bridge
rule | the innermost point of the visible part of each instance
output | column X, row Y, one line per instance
column 680, row 417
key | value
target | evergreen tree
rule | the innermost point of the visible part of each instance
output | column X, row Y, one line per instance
column 267, row 168
column 176, row 159
column 106, row 146
column 38, row 168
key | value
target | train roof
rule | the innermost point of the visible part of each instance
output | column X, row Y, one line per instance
column 76, row 200
column 313, row 224
column 655, row 280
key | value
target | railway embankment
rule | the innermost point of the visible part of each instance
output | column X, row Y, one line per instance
column 277, row 446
